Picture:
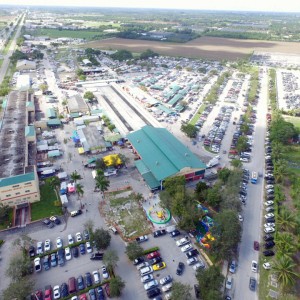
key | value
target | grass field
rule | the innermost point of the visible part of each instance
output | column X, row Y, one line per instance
column 45, row 207
column 55, row 33
column 294, row 120
column 9, row 220
column 198, row 114
column 292, row 155
column 206, row 47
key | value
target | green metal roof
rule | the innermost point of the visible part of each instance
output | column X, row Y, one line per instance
column 164, row 109
column 29, row 131
column 147, row 175
column 51, row 113
column 74, row 115
column 54, row 122
column 175, row 99
column 16, row 179
column 162, row 153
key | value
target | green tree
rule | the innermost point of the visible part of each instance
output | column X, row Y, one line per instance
column 181, row 291
column 18, row 289
column 101, row 238
column 280, row 170
column 4, row 213
column 286, row 220
column 75, row 176
column 281, row 130
column 201, row 191
column 110, row 259
column 285, row 269
column 236, row 163
column 79, row 190
column 116, row 285
column 210, row 279
column 79, row 72
column 89, row 95
column 277, row 150
column 227, row 228
column 19, row 266
column 173, row 184
column 223, row 174
column 122, row 55
column 213, row 196
column 89, row 225
column 125, row 160
column 43, row 87
column 148, row 53
column 134, row 250
column 101, row 183
column 100, row 164
column 189, row 130
column 54, row 182
column 241, row 144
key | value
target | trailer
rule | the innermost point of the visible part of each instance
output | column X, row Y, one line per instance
column 48, row 173
column 64, row 200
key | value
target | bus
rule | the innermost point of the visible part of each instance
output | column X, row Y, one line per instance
column 254, row 178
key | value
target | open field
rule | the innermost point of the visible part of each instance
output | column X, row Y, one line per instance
column 76, row 34
column 206, row 47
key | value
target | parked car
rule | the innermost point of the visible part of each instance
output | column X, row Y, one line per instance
column 147, row 278
column 269, row 244
column 166, row 279
column 268, row 237
column 37, row 264
column 174, row 233
column 56, row 292
column 228, row 284
column 180, row 268
column 252, row 283
column 232, row 267
column 142, row 238
column 96, row 256
column 150, row 285
column 53, row 260
column 138, row 261
column 158, row 233
column 88, row 279
column 268, row 253
column 48, row 292
column 153, row 292
column 82, row 248
column 256, row 245
column 192, row 261
column 60, row 257
column 31, row 251
column 153, row 255
column 254, row 266
column 39, row 248
column 59, row 243
column 104, row 272
column 80, row 283
column 192, row 253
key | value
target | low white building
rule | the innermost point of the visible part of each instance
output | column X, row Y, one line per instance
column 23, row 82
column 25, row 65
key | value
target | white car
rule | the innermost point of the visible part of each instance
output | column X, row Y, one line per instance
column 229, row 282
column 167, row 287
column 192, row 261
column 78, row 237
column 96, row 276
column 269, row 230
column 267, row 266
column 56, row 292
column 269, row 215
column 187, row 247
column 146, row 270
column 68, row 254
column 244, row 159
column 39, row 248
column 151, row 284
column 142, row 265
column 269, row 186
column 37, row 264
column 70, row 239
column 241, row 219
column 168, row 296
column 269, row 225
column 147, row 278
column 47, row 245
column 89, row 249
column 182, row 241
column 59, row 243
column 269, row 203
column 254, row 266
column 104, row 272
column 199, row 265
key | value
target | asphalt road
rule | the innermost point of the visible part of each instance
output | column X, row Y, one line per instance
column 253, row 210
column 12, row 47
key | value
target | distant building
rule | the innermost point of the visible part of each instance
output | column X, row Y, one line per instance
column 87, row 62
column 25, row 65
column 76, row 104
column 160, row 155
column 23, row 83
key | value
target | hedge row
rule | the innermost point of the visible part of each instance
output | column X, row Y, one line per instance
column 147, row 251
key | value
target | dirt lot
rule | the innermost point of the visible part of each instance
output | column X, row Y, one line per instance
column 204, row 47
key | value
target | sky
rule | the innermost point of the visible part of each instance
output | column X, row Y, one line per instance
column 231, row 5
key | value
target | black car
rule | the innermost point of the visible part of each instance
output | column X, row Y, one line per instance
column 75, row 251
column 96, row 256
column 155, row 260
column 270, row 220
column 269, row 244
column 270, row 197
column 80, row 283
column 268, row 253
column 48, row 223
column 55, row 220
column 158, row 233
column 100, row 293
column 192, row 253
column 31, row 251
column 64, row 292
column 197, row 291
column 92, row 294
column 268, row 237
column 61, row 257
column 88, row 279
column 86, row 234
column 180, row 268
column 270, row 181
column 175, row 233
column 153, row 293
column 82, row 248
column 252, row 284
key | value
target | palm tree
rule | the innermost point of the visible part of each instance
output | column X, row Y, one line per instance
column 110, row 259
column 286, row 220
column 286, row 250
column 101, row 183
column 284, row 238
column 284, row 268
column 277, row 150
column 280, row 170
column 54, row 182
column 80, row 192
column 75, row 176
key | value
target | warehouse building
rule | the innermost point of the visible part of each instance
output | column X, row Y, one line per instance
column 161, row 155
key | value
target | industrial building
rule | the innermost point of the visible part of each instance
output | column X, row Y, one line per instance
column 19, row 183
column 161, row 156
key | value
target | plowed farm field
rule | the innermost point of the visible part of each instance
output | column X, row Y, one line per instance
column 204, row 47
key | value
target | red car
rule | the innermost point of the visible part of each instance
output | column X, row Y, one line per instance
column 107, row 290
column 153, row 255
column 256, row 245
column 83, row 297
column 48, row 292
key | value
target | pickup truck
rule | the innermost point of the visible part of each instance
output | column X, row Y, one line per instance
column 142, row 238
